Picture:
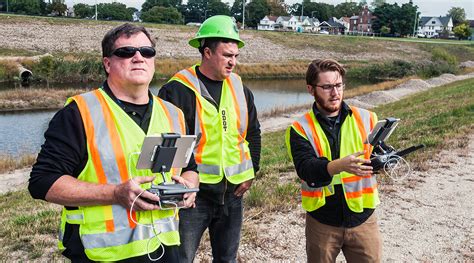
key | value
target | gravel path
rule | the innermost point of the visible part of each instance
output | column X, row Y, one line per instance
column 427, row 217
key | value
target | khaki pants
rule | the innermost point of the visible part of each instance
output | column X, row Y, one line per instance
column 362, row 243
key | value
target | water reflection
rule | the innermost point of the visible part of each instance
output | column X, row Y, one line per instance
column 22, row 132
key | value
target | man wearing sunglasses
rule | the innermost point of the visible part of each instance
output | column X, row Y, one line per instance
column 220, row 110
column 88, row 161
column 338, row 189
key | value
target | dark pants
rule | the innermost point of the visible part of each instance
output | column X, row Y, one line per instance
column 224, row 223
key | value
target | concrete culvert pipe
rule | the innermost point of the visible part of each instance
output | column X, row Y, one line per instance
column 24, row 74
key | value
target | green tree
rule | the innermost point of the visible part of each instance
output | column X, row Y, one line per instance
column 457, row 14
column 400, row 19
column 322, row 11
column 113, row 11
column 462, row 31
column 149, row 4
column 216, row 7
column 83, row 10
column 277, row 9
column 236, row 10
column 346, row 9
column 194, row 11
column 56, row 7
column 257, row 9
column 162, row 15
column 26, row 7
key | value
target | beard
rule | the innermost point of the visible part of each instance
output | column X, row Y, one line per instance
column 326, row 106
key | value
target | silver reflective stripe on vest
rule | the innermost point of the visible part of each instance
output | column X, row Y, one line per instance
column 352, row 187
column 75, row 217
column 365, row 116
column 238, row 168
column 306, row 187
column 242, row 102
column 307, row 128
column 106, row 152
column 174, row 115
column 127, row 235
column 102, row 139
column 195, row 83
column 209, row 169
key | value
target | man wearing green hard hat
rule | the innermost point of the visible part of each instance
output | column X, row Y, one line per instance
column 220, row 110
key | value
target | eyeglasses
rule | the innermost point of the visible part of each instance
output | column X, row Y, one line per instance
column 128, row 52
column 330, row 87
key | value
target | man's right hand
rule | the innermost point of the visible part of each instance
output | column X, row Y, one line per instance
column 126, row 193
column 351, row 164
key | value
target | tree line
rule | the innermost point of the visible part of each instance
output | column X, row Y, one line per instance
column 391, row 19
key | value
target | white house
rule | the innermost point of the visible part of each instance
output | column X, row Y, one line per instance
column 267, row 23
column 293, row 23
column 434, row 26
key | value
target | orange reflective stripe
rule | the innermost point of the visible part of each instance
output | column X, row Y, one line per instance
column 315, row 134
column 358, row 194
column 311, row 193
column 131, row 222
column 185, row 79
column 372, row 121
column 114, row 136
column 116, row 144
column 109, row 225
column 192, row 70
column 181, row 123
column 89, row 129
column 362, row 131
column 353, row 194
column 167, row 113
column 299, row 128
column 351, row 179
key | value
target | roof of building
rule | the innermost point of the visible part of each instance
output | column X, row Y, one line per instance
column 443, row 19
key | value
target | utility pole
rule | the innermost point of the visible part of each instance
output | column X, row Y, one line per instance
column 7, row 6
column 243, row 14
column 95, row 9
column 414, row 23
column 302, row 7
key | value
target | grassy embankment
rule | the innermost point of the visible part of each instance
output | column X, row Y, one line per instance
column 80, row 66
column 441, row 118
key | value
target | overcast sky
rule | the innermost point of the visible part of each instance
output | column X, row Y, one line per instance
column 426, row 7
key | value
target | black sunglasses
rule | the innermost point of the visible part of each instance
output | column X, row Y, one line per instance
column 128, row 52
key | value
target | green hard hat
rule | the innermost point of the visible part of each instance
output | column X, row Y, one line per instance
column 217, row 26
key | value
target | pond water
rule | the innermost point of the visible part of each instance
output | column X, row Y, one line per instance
column 22, row 132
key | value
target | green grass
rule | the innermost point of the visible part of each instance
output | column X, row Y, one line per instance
column 29, row 228
column 441, row 118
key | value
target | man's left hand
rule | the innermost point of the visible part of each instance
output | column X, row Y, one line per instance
column 189, row 198
column 243, row 187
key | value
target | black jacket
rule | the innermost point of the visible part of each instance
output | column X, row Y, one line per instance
column 65, row 153
column 313, row 170
column 185, row 99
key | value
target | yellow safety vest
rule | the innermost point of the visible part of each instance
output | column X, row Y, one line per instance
column 114, row 141
column 222, row 148
column 359, row 191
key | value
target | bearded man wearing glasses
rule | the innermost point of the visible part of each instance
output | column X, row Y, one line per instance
column 88, row 161
column 338, row 189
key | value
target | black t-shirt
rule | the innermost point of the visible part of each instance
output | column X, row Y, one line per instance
column 313, row 170
column 185, row 99
column 64, row 152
